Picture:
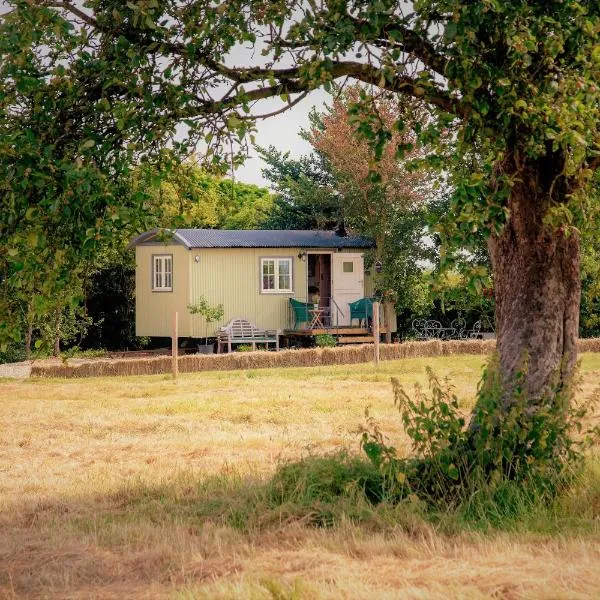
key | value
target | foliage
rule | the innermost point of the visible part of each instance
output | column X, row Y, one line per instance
column 305, row 198
column 70, row 324
column 325, row 340
column 64, row 187
column 509, row 439
column 110, row 303
column 14, row 352
column 208, row 312
column 380, row 195
column 77, row 352
column 334, row 186
column 590, row 265
column 243, row 348
column 189, row 196
column 320, row 480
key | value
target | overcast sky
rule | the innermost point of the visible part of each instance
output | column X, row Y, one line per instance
column 281, row 131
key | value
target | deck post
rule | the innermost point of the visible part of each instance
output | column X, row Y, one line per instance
column 174, row 348
column 376, row 332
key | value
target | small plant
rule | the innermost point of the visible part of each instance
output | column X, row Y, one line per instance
column 76, row 352
column 244, row 348
column 325, row 340
column 210, row 313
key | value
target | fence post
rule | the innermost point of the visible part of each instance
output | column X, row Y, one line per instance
column 174, row 349
column 376, row 331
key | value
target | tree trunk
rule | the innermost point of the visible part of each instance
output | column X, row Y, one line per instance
column 388, row 320
column 536, row 287
column 56, row 351
column 28, row 338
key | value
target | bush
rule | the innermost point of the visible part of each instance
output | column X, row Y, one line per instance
column 13, row 353
column 244, row 348
column 325, row 340
column 77, row 352
column 507, row 457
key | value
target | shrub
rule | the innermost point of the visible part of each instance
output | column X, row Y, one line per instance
column 325, row 340
column 76, row 352
column 244, row 348
column 509, row 452
column 12, row 353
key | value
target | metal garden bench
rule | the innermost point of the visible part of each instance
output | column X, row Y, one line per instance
column 241, row 331
column 424, row 329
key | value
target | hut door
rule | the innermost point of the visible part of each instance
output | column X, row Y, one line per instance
column 347, row 284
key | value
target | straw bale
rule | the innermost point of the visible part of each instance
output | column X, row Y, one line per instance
column 310, row 357
column 589, row 345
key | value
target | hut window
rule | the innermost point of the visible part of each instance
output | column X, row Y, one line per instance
column 276, row 275
column 162, row 272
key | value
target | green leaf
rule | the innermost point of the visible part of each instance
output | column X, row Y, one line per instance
column 453, row 471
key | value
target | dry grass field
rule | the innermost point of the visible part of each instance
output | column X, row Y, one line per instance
column 143, row 487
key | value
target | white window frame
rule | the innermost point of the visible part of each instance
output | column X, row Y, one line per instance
column 277, row 260
column 160, row 284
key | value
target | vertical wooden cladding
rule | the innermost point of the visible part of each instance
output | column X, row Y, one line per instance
column 227, row 276
column 154, row 309
column 231, row 277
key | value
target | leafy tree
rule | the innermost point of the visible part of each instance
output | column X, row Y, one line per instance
column 342, row 182
column 305, row 195
column 64, row 164
column 244, row 205
column 514, row 84
column 380, row 198
column 189, row 196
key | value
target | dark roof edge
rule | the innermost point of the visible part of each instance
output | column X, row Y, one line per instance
column 173, row 236
column 150, row 235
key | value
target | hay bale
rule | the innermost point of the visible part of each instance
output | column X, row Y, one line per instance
column 588, row 345
column 310, row 357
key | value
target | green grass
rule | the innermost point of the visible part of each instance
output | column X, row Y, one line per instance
column 251, row 485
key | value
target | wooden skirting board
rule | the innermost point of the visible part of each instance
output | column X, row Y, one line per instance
column 356, row 339
column 354, row 331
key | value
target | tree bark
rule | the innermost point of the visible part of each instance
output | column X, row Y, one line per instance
column 28, row 339
column 537, row 287
column 388, row 316
column 57, row 315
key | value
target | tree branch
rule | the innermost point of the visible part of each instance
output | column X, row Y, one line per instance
column 295, row 80
column 275, row 112
column 411, row 43
column 73, row 10
column 291, row 81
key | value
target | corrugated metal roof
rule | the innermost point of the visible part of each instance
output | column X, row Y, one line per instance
column 257, row 238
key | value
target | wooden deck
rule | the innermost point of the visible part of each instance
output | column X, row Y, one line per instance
column 358, row 331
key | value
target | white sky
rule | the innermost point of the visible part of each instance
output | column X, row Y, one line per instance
column 281, row 131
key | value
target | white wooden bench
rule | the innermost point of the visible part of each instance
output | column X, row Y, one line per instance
column 241, row 331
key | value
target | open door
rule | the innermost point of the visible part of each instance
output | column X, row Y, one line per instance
column 347, row 284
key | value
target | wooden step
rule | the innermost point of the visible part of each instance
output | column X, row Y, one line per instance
column 356, row 339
